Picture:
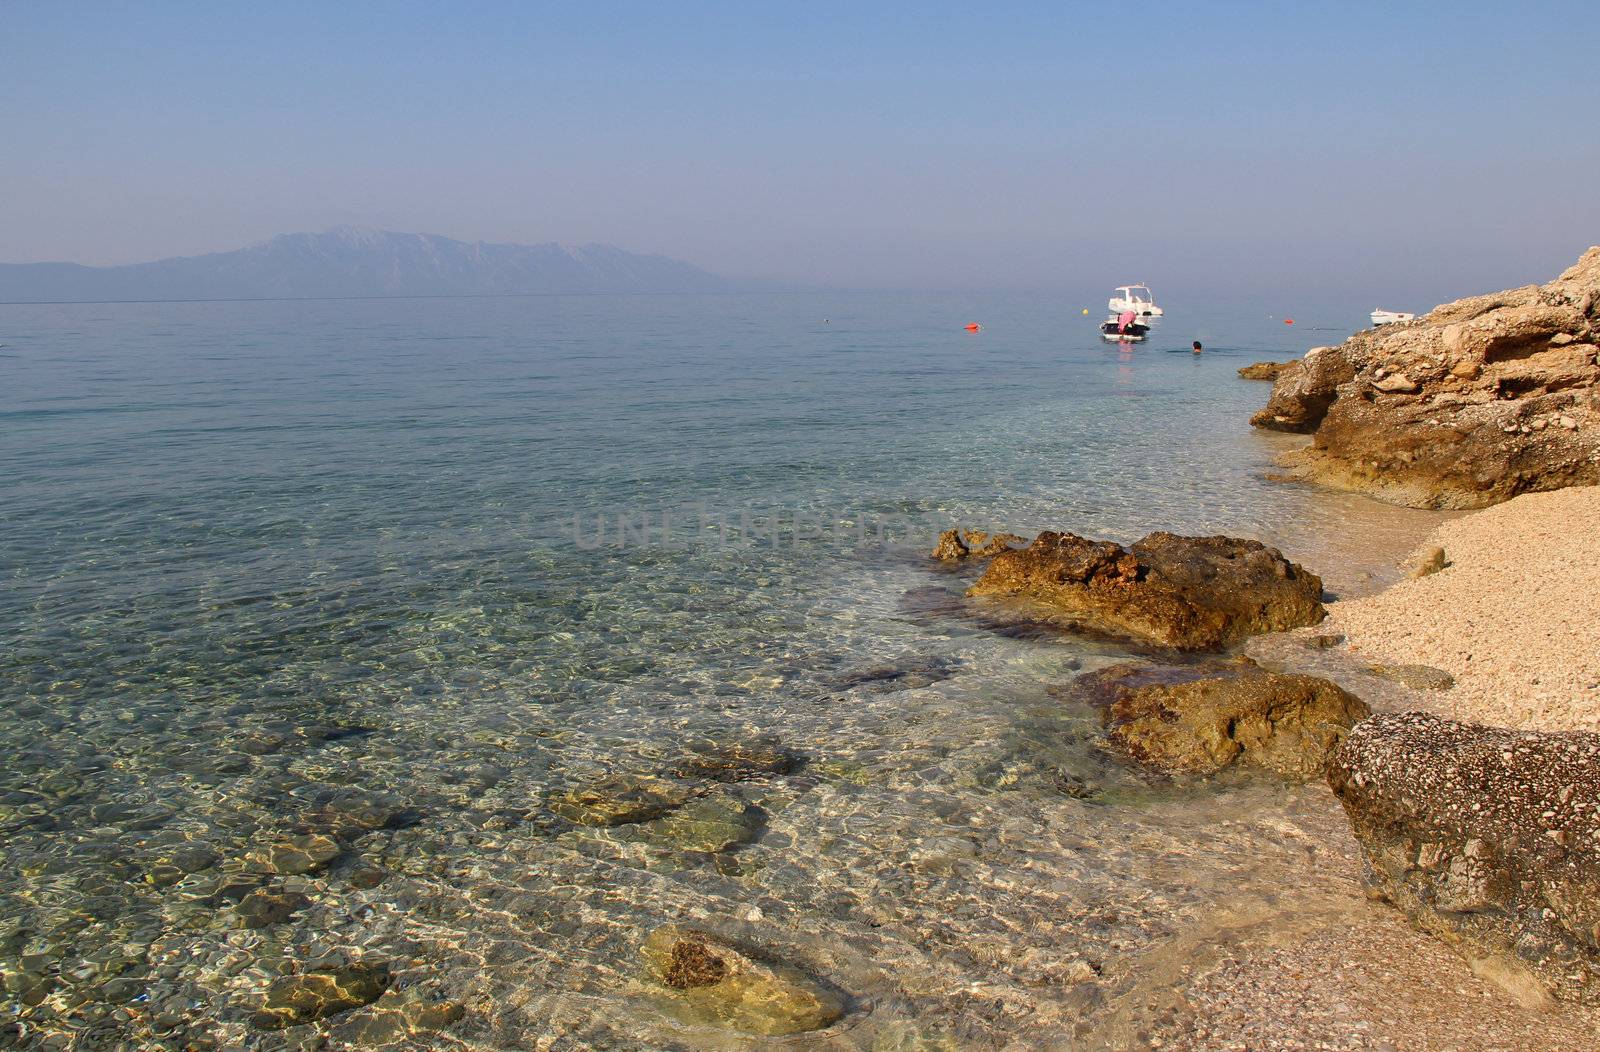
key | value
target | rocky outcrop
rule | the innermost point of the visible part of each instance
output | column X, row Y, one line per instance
column 1489, row 838
column 1303, row 391
column 1200, row 719
column 960, row 545
column 1183, row 593
column 717, row 981
column 1472, row 404
column 1263, row 370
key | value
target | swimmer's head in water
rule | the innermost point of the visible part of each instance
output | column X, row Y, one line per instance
column 1197, row 347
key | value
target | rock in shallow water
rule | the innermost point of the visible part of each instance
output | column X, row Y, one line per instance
column 1199, row 720
column 620, row 799
column 735, row 761
column 717, row 981
column 1185, row 593
column 959, row 545
column 294, row 1000
column 1417, row 677
column 1488, row 838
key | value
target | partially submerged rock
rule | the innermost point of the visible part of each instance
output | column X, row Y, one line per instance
column 1185, row 593
column 1472, row 404
column 959, row 545
column 718, row 981
column 1488, row 838
column 1263, row 370
column 1200, row 719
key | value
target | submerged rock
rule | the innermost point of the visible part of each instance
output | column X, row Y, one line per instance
column 1488, row 838
column 735, row 761
column 301, row 854
column 620, row 799
column 1185, row 593
column 717, row 981
column 1474, row 403
column 1201, row 719
column 294, row 1000
column 265, row 907
column 904, row 674
column 712, row 824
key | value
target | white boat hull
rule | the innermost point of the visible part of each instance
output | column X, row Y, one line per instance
column 1390, row 317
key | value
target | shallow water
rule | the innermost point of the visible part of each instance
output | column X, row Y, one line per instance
column 398, row 573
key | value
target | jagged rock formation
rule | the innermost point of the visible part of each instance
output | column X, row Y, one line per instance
column 959, row 545
column 1489, row 838
column 1263, row 370
column 1201, row 718
column 1475, row 402
column 1185, row 593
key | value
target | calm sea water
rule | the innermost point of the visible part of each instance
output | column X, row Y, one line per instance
column 270, row 565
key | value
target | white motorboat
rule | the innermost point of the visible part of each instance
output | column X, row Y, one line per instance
column 1136, row 298
column 1115, row 330
column 1389, row 317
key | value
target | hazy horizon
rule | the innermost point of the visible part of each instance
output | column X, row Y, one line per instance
column 1357, row 151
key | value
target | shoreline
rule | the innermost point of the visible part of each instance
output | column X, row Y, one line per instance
column 1512, row 616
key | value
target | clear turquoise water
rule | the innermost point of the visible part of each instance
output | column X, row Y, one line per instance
column 365, row 532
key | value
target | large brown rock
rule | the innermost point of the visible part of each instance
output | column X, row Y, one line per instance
column 1184, row 593
column 1474, row 403
column 1489, row 838
column 1303, row 391
column 1199, row 720
column 1263, row 370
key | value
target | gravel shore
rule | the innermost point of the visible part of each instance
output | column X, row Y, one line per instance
column 1514, row 616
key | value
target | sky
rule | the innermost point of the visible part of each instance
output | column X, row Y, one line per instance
column 1425, row 149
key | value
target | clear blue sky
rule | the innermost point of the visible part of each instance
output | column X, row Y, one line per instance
column 1446, row 147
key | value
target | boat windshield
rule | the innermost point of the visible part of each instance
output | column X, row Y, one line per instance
column 1138, row 292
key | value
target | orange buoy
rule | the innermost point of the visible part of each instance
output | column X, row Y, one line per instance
column 973, row 326
column 1288, row 321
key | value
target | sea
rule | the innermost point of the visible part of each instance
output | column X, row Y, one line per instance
column 317, row 615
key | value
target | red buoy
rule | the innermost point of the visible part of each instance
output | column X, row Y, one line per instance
column 973, row 326
column 1288, row 321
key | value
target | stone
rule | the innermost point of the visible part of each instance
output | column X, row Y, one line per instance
column 1396, row 383
column 1263, row 370
column 1417, row 677
column 1200, row 719
column 264, row 907
column 711, row 824
column 1183, row 593
column 620, row 799
column 294, row 1000
column 1303, row 391
column 735, row 761
column 1488, row 838
column 1463, row 408
column 905, row 673
column 717, row 981
column 958, row 545
column 301, row 854
column 1429, row 562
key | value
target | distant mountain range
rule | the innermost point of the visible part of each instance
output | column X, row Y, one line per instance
column 353, row 261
